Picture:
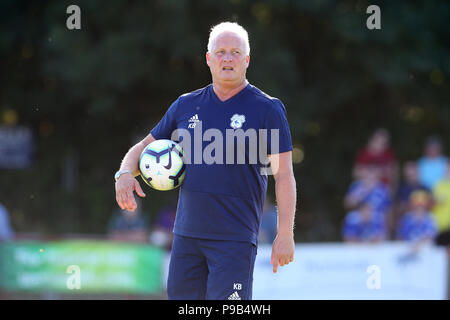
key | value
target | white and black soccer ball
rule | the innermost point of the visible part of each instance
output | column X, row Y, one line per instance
column 161, row 165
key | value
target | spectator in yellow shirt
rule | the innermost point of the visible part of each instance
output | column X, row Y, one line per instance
column 441, row 209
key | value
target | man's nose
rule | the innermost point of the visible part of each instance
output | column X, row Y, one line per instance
column 227, row 57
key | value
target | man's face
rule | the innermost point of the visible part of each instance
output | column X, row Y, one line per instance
column 227, row 60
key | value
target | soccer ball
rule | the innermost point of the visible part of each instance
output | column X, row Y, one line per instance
column 161, row 165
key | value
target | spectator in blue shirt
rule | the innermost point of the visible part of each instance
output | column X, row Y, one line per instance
column 408, row 185
column 417, row 225
column 369, row 189
column 432, row 166
column 363, row 225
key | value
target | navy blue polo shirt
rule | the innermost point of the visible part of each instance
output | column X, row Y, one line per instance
column 224, row 200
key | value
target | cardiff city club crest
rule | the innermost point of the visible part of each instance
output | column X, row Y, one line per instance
column 237, row 121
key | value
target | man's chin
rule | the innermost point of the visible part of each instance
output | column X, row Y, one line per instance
column 227, row 76
column 226, row 80
column 229, row 80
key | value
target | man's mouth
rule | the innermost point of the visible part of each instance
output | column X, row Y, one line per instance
column 227, row 68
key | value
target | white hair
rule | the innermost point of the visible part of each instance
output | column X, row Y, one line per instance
column 228, row 27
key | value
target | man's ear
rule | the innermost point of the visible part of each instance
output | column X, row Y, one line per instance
column 207, row 58
column 247, row 60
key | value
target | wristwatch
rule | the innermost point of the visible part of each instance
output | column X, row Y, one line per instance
column 119, row 173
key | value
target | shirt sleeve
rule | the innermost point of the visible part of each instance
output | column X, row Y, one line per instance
column 348, row 230
column 361, row 157
column 277, row 119
column 167, row 125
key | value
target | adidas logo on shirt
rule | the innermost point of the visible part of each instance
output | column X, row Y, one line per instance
column 234, row 296
column 193, row 121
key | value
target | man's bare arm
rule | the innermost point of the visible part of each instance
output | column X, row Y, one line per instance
column 286, row 194
column 131, row 160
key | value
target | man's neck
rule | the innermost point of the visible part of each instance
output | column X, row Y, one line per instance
column 224, row 92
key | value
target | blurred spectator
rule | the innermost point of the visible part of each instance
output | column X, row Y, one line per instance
column 129, row 226
column 433, row 164
column 363, row 225
column 417, row 225
column 441, row 209
column 6, row 231
column 162, row 233
column 269, row 222
column 369, row 189
column 377, row 152
column 408, row 185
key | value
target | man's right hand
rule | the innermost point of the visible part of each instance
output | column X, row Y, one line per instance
column 125, row 186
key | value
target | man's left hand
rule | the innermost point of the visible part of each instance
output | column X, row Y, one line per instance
column 282, row 251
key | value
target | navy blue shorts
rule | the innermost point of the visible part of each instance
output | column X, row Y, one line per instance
column 204, row 269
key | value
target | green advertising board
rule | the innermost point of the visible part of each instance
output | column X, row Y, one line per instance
column 81, row 266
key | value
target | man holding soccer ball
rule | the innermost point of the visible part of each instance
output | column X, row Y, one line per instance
column 220, row 204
